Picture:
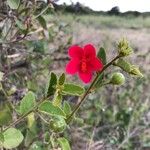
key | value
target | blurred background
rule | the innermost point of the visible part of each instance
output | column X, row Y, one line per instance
column 113, row 117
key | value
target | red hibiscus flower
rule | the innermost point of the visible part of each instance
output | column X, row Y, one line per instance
column 84, row 62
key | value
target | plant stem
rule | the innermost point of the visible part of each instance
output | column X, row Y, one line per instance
column 88, row 90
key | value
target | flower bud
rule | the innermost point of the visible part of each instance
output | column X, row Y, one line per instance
column 58, row 124
column 124, row 65
column 117, row 79
column 123, row 48
column 135, row 71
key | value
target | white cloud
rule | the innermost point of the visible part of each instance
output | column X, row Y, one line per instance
column 124, row 5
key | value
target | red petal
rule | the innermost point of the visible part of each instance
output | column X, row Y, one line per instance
column 97, row 64
column 85, row 77
column 72, row 66
column 89, row 50
column 75, row 51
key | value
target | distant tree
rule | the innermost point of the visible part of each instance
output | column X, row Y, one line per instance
column 114, row 11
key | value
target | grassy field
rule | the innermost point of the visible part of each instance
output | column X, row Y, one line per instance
column 106, row 21
column 132, row 99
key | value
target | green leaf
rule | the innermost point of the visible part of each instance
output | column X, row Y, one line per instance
column 5, row 114
column 12, row 138
column 13, row 4
column 67, row 108
column 72, row 89
column 29, row 137
column 42, row 22
column 51, row 87
column 20, row 25
column 48, row 108
column 1, row 140
column 102, row 55
column 39, row 46
column 64, row 143
column 27, row 103
column 1, row 76
column 62, row 79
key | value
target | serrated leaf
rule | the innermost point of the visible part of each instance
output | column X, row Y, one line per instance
column 13, row 4
column 67, row 108
column 72, row 89
column 27, row 103
column 64, row 143
column 48, row 108
column 102, row 55
column 51, row 86
column 42, row 22
column 62, row 79
column 12, row 138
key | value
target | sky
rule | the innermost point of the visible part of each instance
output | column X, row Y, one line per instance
column 124, row 5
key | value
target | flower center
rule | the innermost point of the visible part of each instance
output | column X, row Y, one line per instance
column 83, row 65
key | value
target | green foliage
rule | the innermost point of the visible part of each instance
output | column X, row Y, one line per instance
column 62, row 79
column 28, row 138
column 48, row 108
column 64, row 143
column 13, row 4
column 102, row 55
column 67, row 108
column 42, row 22
column 51, row 86
column 12, row 138
column 73, row 89
column 20, row 25
column 5, row 114
column 57, row 124
column 27, row 103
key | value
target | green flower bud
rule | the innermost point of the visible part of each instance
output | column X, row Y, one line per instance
column 135, row 71
column 58, row 124
column 117, row 79
column 123, row 48
column 124, row 65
